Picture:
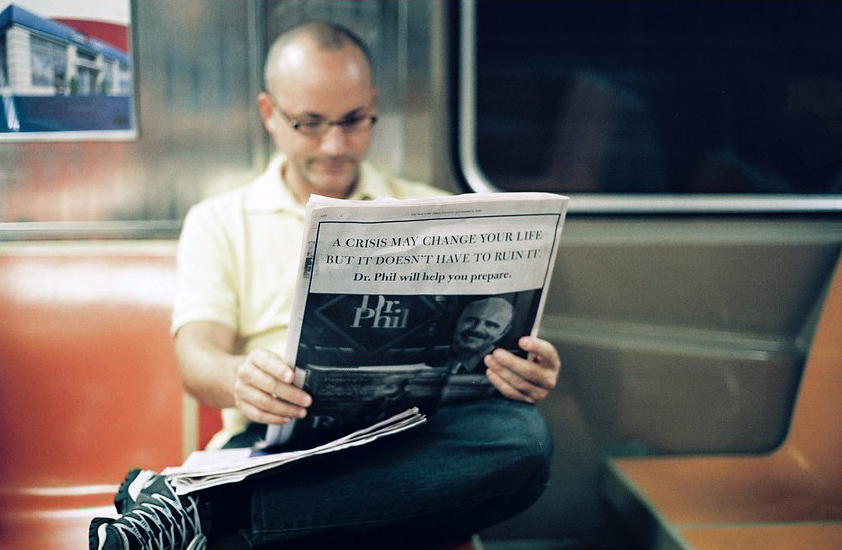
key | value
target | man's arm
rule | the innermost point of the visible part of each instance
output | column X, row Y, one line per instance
column 530, row 379
column 258, row 384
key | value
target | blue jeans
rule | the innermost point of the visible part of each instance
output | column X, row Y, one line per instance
column 472, row 465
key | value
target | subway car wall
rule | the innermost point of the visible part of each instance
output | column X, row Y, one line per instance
column 682, row 325
column 198, row 72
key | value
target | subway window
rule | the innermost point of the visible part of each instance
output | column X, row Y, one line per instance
column 652, row 97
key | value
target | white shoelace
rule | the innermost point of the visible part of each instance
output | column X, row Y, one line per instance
column 139, row 523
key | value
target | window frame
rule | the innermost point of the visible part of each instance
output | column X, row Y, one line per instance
column 591, row 203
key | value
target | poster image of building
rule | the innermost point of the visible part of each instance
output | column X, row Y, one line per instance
column 64, row 77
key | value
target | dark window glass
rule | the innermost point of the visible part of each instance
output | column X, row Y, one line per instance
column 660, row 97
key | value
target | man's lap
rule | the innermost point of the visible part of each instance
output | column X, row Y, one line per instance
column 466, row 455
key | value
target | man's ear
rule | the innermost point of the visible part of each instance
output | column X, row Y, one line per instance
column 267, row 110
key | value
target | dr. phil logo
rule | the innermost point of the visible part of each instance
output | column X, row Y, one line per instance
column 382, row 314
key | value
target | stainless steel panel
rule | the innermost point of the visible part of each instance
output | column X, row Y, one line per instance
column 199, row 71
column 198, row 128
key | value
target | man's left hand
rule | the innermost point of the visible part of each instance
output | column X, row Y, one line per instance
column 529, row 380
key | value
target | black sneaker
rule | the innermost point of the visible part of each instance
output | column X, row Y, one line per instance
column 158, row 519
column 132, row 485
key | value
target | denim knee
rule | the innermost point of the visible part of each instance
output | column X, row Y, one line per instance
column 531, row 439
column 514, row 439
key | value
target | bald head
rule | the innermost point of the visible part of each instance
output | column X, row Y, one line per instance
column 290, row 51
column 319, row 73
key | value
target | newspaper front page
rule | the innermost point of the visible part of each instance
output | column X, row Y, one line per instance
column 398, row 301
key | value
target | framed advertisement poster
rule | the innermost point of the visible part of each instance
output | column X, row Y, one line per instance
column 66, row 70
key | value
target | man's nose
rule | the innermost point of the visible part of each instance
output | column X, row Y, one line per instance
column 335, row 141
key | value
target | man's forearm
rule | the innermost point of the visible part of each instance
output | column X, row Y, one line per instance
column 206, row 363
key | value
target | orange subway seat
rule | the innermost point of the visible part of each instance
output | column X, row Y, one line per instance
column 89, row 387
column 799, row 482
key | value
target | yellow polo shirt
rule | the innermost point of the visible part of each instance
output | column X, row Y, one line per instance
column 238, row 258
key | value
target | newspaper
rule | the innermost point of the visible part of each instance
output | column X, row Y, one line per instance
column 398, row 301
column 204, row 469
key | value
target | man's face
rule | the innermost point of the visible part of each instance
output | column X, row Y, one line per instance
column 480, row 325
column 320, row 85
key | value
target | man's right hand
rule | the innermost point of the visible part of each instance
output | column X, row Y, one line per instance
column 258, row 384
column 264, row 392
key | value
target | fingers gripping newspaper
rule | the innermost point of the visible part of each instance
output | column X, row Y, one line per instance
column 397, row 303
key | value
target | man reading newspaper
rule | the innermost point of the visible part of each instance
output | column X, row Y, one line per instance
column 472, row 465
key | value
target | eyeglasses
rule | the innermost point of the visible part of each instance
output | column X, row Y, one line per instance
column 317, row 127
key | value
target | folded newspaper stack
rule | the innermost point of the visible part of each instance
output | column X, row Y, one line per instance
column 204, row 469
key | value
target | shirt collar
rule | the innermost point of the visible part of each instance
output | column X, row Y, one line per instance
column 268, row 193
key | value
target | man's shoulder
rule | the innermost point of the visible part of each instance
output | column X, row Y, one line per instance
column 218, row 212
column 259, row 193
column 226, row 201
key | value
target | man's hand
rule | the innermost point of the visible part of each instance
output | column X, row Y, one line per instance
column 264, row 392
column 259, row 384
column 529, row 380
